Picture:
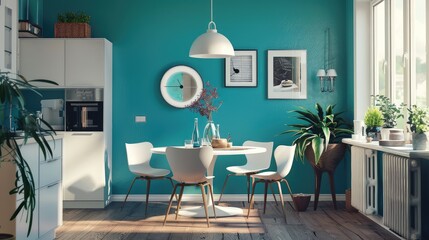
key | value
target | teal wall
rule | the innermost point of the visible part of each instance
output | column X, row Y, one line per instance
column 350, row 71
column 151, row 36
column 31, row 10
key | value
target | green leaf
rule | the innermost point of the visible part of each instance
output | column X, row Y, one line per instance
column 317, row 145
column 319, row 111
column 327, row 134
column 43, row 81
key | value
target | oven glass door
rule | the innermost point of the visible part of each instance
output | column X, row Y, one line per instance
column 84, row 116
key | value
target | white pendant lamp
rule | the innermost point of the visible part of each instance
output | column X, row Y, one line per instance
column 211, row 44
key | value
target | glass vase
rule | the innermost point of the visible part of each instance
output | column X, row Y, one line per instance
column 209, row 132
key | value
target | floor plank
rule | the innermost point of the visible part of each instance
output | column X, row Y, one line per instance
column 113, row 223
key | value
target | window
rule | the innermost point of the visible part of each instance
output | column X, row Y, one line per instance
column 419, row 58
column 399, row 56
column 379, row 41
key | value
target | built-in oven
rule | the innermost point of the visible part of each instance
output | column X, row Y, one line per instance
column 84, row 116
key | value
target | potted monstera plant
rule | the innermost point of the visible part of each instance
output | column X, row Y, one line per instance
column 318, row 138
column 13, row 116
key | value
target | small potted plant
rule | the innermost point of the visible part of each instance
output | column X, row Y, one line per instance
column 373, row 120
column 73, row 25
column 390, row 113
column 418, row 119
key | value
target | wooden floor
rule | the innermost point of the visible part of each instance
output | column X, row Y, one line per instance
column 130, row 223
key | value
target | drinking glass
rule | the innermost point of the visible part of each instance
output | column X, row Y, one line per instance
column 204, row 142
column 188, row 144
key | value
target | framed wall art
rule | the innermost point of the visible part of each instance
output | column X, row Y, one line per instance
column 242, row 69
column 287, row 74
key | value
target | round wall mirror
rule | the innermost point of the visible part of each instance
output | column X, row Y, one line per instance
column 180, row 86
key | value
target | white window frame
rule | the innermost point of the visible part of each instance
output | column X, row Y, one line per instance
column 408, row 54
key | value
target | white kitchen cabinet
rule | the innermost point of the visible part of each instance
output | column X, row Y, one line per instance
column 84, row 170
column 22, row 225
column 8, row 35
column 30, row 153
column 49, row 206
column 42, row 59
column 72, row 63
column 86, row 62
column 47, row 174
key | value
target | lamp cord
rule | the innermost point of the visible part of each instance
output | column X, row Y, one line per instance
column 211, row 23
column 211, row 10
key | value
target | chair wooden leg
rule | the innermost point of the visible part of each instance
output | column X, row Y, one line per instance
column 213, row 205
column 265, row 195
column 180, row 200
column 251, row 198
column 332, row 183
column 147, row 195
column 248, row 187
column 223, row 188
column 129, row 190
column 290, row 192
column 318, row 179
column 172, row 184
column 171, row 202
column 281, row 200
column 205, row 204
column 288, row 186
column 274, row 195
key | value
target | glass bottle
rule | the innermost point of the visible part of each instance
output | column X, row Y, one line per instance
column 209, row 132
column 217, row 135
column 195, row 134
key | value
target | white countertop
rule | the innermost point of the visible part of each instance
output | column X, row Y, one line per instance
column 30, row 140
column 404, row 151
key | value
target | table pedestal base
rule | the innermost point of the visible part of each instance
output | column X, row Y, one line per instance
column 199, row 212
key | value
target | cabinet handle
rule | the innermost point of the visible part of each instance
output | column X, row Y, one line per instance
column 81, row 134
column 51, row 160
column 49, row 186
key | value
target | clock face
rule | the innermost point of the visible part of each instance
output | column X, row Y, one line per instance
column 181, row 86
column 241, row 69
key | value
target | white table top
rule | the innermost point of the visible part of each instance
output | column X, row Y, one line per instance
column 236, row 150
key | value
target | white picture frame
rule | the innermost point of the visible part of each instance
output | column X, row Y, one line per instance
column 241, row 70
column 287, row 74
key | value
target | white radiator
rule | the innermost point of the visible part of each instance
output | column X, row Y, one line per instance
column 364, row 180
column 401, row 195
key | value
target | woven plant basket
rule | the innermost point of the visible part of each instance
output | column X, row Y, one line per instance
column 301, row 201
column 72, row 30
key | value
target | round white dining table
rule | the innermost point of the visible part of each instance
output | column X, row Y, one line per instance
column 221, row 211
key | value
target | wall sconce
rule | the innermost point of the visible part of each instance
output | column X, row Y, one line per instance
column 327, row 77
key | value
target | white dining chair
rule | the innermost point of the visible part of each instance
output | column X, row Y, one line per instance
column 138, row 156
column 189, row 166
column 284, row 158
column 255, row 163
